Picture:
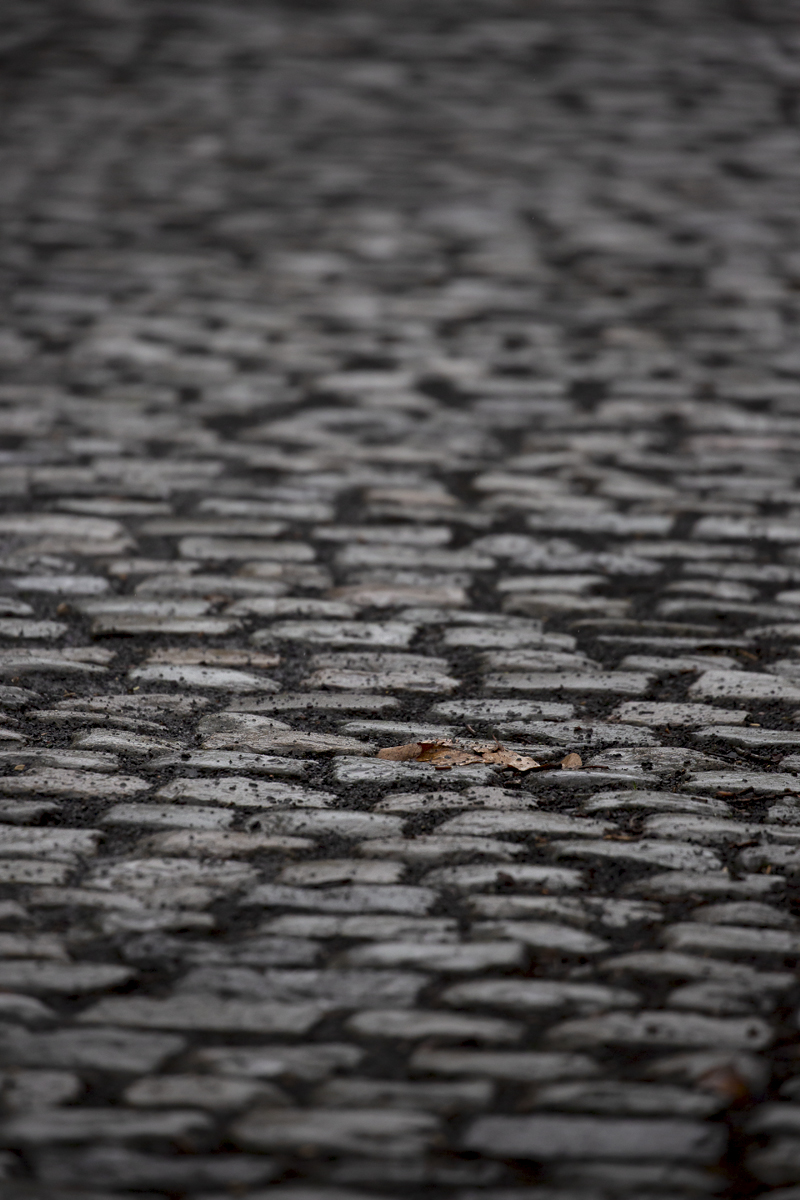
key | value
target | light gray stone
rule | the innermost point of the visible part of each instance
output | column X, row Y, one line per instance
column 205, row 1012
column 148, row 874
column 733, row 782
column 124, row 742
column 232, row 527
column 626, row 683
column 668, row 802
column 636, row 1099
column 399, row 556
column 537, row 660
column 534, row 995
column 438, row 957
column 59, row 845
column 411, row 929
column 103, row 1049
column 34, row 524
column 660, row 1029
column 291, row 606
column 69, row 979
column 391, row 634
column 284, row 741
column 168, row 816
column 432, row 848
column 315, row 1061
column 681, row 664
column 750, row 737
column 707, row 830
column 744, row 912
column 316, row 701
column 175, row 583
column 521, row 875
column 32, row 872
column 743, row 685
column 443, row 801
column 391, row 1132
column 679, row 884
column 654, row 713
column 377, row 672
column 241, row 792
column 522, row 1066
column 130, row 624
column 97, row 1124
column 496, row 823
column 502, row 710
column 73, row 761
column 732, row 940
column 418, row 1023
column 680, row 856
column 661, row 759
column 223, row 760
column 357, row 899
column 327, row 822
column 46, row 631
column 325, row 871
column 200, row 1091
column 330, row 988
column 569, row 733
column 401, row 535
column 380, row 772
column 223, row 549
column 673, row 965
column 204, row 677
column 32, row 1090
column 543, row 935
column 388, row 1093
column 202, row 843
column 21, row 661
column 548, row 1138
column 525, row 634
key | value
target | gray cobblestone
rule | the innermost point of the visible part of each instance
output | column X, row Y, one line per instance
column 372, row 375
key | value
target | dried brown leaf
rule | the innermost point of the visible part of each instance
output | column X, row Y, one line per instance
column 407, row 753
column 509, row 758
column 444, row 757
column 726, row 1082
column 571, row 762
column 444, row 754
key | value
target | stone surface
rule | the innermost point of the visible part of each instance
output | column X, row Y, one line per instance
column 376, row 374
column 545, row 1138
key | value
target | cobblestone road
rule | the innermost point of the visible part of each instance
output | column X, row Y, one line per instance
column 379, row 375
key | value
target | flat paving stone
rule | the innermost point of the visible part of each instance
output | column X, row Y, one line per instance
column 656, row 1029
column 545, row 1138
column 749, row 685
column 93, row 1124
column 733, row 783
column 642, row 712
column 204, row 677
column 195, row 1011
column 531, row 995
column 679, row 855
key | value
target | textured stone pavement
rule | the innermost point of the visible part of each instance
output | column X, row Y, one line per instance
column 375, row 374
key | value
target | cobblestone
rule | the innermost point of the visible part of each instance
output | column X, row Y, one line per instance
column 374, row 375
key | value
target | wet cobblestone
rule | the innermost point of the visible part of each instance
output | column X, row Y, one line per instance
column 376, row 375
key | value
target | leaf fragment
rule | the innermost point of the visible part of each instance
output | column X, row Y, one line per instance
column 571, row 762
column 445, row 757
column 407, row 753
column 509, row 758
column 445, row 753
column 727, row 1082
